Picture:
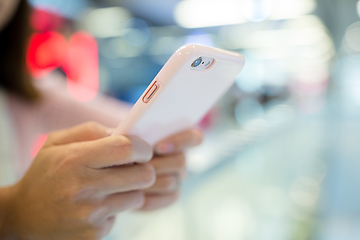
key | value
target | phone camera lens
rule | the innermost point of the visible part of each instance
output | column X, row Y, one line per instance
column 197, row 62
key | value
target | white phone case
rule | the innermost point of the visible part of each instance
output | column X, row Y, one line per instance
column 184, row 95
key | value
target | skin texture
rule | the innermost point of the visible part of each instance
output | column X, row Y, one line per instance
column 7, row 10
column 82, row 177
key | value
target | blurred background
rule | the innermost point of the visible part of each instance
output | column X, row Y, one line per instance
column 281, row 159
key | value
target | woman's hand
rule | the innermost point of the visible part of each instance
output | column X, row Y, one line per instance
column 72, row 190
column 169, row 164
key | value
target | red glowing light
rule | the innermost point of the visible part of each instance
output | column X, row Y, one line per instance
column 82, row 66
column 78, row 58
column 38, row 143
column 43, row 20
column 46, row 51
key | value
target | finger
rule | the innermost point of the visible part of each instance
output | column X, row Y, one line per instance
column 106, row 227
column 119, row 179
column 121, row 202
column 110, row 151
column 164, row 184
column 153, row 202
column 169, row 164
column 179, row 142
column 85, row 132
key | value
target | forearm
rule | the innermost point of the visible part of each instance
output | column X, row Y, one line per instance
column 4, row 203
column 10, row 220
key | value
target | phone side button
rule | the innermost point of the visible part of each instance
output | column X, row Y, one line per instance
column 151, row 92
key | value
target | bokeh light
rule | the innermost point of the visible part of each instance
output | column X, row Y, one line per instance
column 105, row 22
column 78, row 58
column 46, row 52
column 135, row 32
column 81, row 66
column 198, row 13
column 248, row 110
column 352, row 37
column 257, row 10
column 200, row 37
column 251, row 79
column 66, row 8
column 42, row 20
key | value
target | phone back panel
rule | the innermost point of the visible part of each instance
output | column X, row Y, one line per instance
column 184, row 96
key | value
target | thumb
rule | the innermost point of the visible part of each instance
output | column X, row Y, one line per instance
column 84, row 132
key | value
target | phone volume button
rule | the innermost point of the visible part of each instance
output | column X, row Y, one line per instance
column 151, row 92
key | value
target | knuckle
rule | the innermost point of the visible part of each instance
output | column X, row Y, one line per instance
column 91, row 213
column 84, row 213
column 64, row 161
column 80, row 210
column 91, row 125
column 71, row 157
column 125, row 144
column 77, row 191
column 51, row 136
column 148, row 175
column 80, row 193
column 92, row 128
column 122, row 141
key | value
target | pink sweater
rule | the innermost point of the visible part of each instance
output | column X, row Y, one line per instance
column 57, row 110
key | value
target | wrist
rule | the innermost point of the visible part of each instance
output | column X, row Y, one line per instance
column 5, row 198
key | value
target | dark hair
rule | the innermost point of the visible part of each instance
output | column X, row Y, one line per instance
column 14, row 76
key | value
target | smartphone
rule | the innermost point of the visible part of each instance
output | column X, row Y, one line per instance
column 185, row 89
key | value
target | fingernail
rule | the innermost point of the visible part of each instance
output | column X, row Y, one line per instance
column 165, row 148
